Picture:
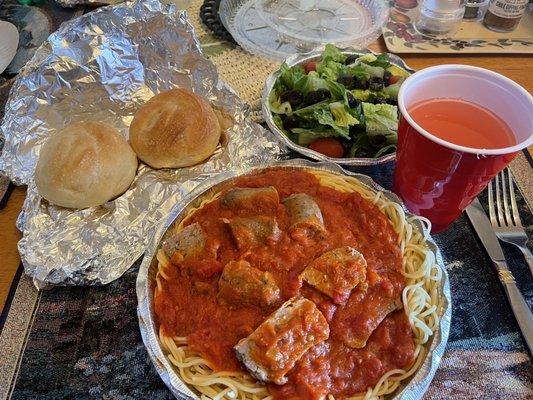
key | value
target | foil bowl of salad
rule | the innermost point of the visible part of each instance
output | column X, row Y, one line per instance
column 337, row 105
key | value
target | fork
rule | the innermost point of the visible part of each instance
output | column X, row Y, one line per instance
column 504, row 215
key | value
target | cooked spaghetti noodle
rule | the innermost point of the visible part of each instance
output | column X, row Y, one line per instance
column 420, row 299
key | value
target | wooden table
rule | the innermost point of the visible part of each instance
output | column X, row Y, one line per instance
column 517, row 67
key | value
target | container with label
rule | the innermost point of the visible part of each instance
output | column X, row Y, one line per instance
column 504, row 15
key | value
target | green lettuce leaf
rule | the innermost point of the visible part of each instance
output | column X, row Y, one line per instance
column 290, row 75
column 373, row 70
column 366, row 58
column 395, row 70
column 321, row 113
column 331, row 53
column 305, row 137
column 330, row 69
column 359, row 72
column 277, row 107
column 381, row 119
column 341, row 115
column 392, row 91
column 310, row 82
column 382, row 60
column 361, row 94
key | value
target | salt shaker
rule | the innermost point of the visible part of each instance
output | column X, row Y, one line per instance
column 439, row 17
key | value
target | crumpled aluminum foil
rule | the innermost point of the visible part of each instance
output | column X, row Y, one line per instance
column 412, row 389
column 103, row 66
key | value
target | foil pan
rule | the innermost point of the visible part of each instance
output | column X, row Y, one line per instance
column 300, row 59
column 416, row 385
column 103, row 66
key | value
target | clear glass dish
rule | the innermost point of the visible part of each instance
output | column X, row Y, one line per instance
column 308, row 23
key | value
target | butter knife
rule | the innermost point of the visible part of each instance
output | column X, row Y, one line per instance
column 521, row 310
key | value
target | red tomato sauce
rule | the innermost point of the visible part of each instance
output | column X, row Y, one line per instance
column 187, row 305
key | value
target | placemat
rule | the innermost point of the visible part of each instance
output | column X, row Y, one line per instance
column 245, row 72
column 84, row 343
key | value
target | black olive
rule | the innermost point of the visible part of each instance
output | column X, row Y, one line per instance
column 377, row 140
column 363, row 153
column 386, row 78
column 350, row 59
column 290, row 123
column 352, row 101
column 346, row 80
column 375, row 83
column 355, row 130
column 361, row 84
column 294, row 97
column 346, row 144
column 379, row 100
column 392, row 102
column 317, row 96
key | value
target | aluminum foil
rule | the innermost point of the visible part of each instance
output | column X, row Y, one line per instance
column 416, row 385
column 103, row 66
column 267, row 114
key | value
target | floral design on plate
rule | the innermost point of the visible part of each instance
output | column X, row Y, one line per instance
column 401, row 36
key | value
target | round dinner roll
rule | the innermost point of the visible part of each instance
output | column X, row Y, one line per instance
column 84, row 165
column 174, row 129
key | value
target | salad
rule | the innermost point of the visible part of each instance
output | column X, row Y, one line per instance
column 340, row 105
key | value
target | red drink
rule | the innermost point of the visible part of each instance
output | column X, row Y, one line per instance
column 463, row 123
column 449, row 149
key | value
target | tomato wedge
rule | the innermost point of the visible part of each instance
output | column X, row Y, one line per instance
column 393, row 79
column 310, row 66
column 328, row 146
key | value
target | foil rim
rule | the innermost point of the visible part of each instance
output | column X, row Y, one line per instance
column 299, row 59
column 416, row 385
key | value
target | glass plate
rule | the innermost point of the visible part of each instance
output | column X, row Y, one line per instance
column 241, row 18
column 308, row 23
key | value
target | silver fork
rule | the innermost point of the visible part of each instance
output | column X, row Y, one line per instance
column 504, row 215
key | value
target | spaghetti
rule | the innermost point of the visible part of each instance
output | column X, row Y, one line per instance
column 420, row 298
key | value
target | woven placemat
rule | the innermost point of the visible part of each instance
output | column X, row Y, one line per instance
column 244, row 72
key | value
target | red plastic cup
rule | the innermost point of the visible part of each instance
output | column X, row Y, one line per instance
column 438, row 179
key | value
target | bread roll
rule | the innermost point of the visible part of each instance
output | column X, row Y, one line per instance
column 85, row 164
column 174, row 129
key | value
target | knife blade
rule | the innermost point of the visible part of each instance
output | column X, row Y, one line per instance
column 520, row 308
column 484, row 230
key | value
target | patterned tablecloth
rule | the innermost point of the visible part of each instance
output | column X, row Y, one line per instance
column 84, row 343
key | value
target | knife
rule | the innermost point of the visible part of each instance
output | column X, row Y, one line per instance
column 521, row 310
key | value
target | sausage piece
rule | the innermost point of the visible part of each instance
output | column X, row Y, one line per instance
column 242, row 285
column 255, row 199
column 185, row 244
column 273, row 349
column 336, row 272
column 304, row 214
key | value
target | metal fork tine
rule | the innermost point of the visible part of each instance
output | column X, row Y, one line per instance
column 516, row 215
column 508, row 218
column 499, row 201
column 492, row 211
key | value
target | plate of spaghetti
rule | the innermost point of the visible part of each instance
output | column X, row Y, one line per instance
column 296, row 280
